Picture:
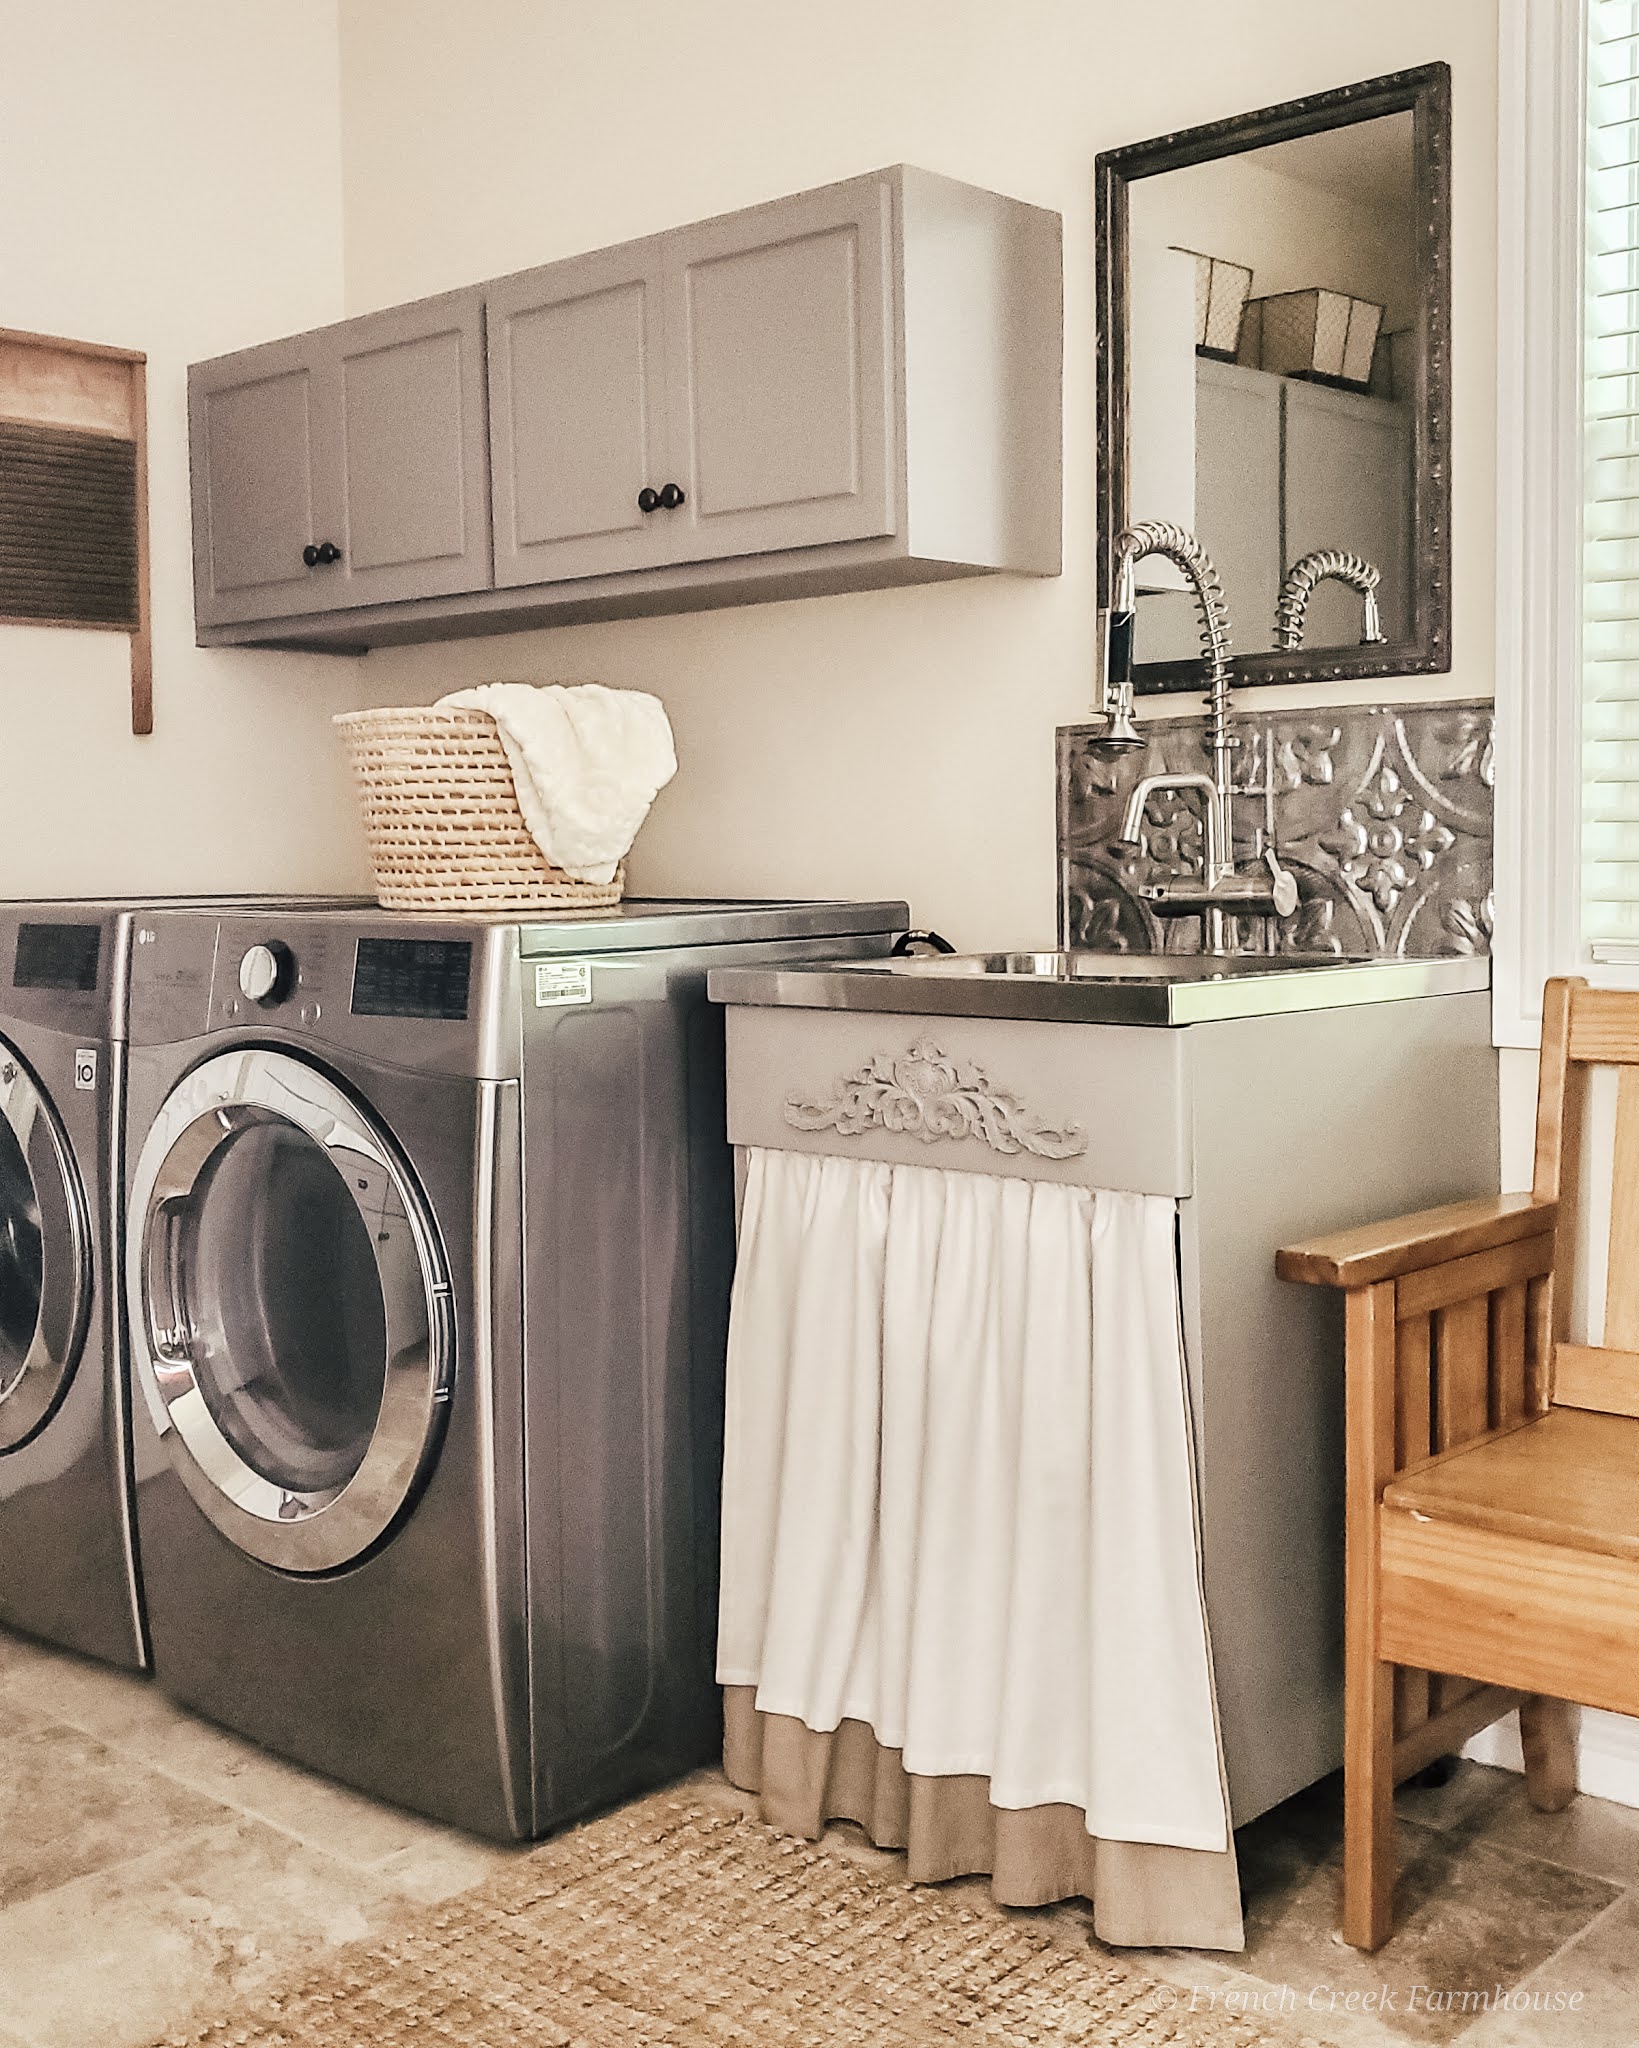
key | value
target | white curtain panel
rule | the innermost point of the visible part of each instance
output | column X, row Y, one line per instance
column 959, row 1494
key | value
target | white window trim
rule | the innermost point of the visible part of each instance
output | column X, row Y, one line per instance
column 1542, row 59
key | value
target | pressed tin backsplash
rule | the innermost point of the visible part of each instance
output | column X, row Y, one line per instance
column 1382, row 812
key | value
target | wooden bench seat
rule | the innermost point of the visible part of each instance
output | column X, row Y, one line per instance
column 1568, row 1477
column 1492, row 1469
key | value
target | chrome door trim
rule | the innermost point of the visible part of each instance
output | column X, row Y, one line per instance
column 483, row 1358
column 302, row 1532
column 45, row 1373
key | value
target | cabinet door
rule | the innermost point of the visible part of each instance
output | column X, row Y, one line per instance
column 1349, row 485
column 408, row 445
column 1237, row 513
column 255, row 423
column 780, row 385
column 577, row 396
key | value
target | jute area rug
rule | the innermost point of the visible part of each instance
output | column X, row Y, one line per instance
column 674, row 1924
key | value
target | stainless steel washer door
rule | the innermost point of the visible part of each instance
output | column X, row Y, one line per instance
column 45, row 1256
column 290, row 1311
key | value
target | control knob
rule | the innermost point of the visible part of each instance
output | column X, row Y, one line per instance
column 266, row 973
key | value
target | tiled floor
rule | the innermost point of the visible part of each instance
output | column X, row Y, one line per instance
column 154, row 1869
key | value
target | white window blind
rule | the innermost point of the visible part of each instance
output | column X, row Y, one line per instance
column 1610, row 534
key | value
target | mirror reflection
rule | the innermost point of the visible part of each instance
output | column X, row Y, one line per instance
column 1274, row 378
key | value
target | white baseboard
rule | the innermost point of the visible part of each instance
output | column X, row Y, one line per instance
column 1607, row 1753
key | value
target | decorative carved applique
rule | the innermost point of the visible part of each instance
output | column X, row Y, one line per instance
column 924, row 1094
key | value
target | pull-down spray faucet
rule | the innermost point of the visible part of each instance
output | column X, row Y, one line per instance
column 1220, row 886
column 1298, row 586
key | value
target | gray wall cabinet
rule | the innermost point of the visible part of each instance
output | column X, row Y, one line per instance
column 367, row 439
column 855, row 387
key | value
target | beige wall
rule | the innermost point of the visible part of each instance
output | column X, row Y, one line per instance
column 1290, row 235
column 170, row 180
column 899, row 741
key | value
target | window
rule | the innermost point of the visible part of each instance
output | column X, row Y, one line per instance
column 1547, row 117
column 1610, row 525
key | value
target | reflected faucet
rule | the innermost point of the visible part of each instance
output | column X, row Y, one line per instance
column 1319, row 566
column 1220, row 885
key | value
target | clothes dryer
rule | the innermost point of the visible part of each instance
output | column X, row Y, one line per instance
column 67, row 1560
column 429, row 1238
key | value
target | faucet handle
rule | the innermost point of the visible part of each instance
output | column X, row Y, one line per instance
column 1286, row 885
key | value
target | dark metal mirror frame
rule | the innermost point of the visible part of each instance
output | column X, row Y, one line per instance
column 1424, row 93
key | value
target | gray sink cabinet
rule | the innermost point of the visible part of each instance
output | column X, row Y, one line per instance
column 852, row 387
column 1345, row 1099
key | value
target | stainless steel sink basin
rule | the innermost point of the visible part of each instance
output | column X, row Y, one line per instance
column 1097, row 988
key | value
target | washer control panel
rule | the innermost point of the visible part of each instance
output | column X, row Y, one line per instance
column 412, row 978
column 407, row 992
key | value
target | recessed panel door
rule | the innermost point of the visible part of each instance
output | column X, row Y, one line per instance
column 256, row 426
column 408, row 445
column 779, row 347
column 577, row 436
column 1348, row 484
column 45, row 1256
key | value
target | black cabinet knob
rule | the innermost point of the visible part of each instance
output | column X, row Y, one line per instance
column 322, row 555
column 671, row 496
column 648, row 500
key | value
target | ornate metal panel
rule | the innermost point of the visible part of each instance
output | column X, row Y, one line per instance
column 1383, row 812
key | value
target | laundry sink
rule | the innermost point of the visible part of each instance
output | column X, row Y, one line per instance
column 1099, row 988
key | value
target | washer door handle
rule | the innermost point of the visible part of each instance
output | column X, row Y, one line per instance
column 167, row 1337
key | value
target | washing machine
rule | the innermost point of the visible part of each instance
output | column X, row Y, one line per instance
column 67, row 1564
column 429, row 1240
column 67, row 1560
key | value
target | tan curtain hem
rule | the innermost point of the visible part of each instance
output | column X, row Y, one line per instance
column 1142, row 1895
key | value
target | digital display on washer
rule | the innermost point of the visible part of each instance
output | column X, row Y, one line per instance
column 412, row 978
column 57, row 956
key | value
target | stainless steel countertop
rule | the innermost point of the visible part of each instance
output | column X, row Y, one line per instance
column 648, row 924
column 1096, row 988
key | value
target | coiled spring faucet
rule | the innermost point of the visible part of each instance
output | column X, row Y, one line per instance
column 1220, row 887
column 1298, row 586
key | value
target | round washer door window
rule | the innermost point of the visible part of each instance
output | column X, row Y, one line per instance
column 290, row 1312
column 45, row 1256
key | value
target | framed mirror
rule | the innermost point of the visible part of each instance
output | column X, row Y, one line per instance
column 1274, row 376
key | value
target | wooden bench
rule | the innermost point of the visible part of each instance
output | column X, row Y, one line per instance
column 1492, row 1464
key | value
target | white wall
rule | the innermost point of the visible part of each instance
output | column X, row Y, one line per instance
column 1291, row 235
column 170, row 180
column 899, row 741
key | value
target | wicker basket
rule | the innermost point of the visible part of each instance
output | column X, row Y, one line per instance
column 442, row 819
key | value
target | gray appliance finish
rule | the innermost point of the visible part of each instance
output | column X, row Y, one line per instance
column 429, row 1239
column 68, row 1570
column 842, row 389
column 67, row 1560
column 1282, row 1109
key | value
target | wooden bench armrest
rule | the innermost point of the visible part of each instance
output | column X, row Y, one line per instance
column 1384, row 1251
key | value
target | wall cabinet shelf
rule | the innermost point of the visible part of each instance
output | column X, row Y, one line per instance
column 854, row 387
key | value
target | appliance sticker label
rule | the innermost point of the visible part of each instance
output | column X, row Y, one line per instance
column 85, row 1069
column 562, row 981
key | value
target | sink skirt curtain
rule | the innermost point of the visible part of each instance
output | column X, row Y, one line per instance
column 960, row 1566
